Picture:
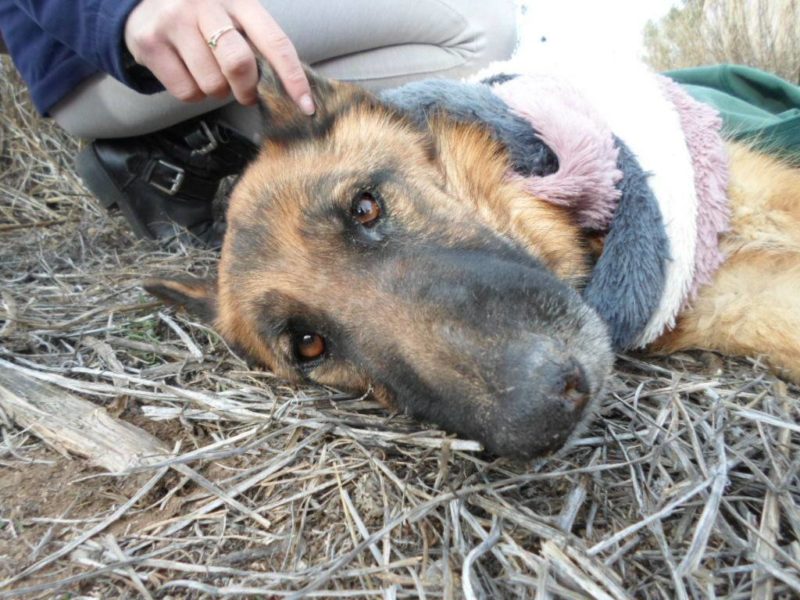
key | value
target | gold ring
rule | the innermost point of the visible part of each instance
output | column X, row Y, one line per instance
column 212, row 41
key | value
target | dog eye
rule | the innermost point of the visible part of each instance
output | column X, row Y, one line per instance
column 308, row 346
column 366, row 210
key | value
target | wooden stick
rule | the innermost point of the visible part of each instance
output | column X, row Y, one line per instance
column 71, row 424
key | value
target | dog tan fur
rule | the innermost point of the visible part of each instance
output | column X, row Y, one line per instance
column 752, row 307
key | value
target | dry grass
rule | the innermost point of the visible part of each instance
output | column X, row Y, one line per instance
column 685, row 487
column 757, row 33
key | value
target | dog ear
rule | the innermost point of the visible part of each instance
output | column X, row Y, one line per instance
column 198, row 296
column 284, row 122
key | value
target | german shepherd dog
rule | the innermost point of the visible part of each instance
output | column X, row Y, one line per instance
column 370, row 254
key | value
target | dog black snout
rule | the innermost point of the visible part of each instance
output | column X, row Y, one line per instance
column 513, row 359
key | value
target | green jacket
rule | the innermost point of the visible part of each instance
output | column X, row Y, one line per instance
column 755, row 106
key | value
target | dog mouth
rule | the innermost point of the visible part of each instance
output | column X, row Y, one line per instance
column 537, row 419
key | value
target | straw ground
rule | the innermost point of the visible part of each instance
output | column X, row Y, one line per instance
column 685, row 486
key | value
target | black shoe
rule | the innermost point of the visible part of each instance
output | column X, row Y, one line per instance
column 165, row 183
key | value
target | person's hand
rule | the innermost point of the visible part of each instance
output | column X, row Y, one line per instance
column 171, row 38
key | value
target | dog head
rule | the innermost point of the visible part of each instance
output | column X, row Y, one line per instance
column 366, row 252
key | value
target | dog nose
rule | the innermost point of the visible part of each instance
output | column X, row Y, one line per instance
column 575, row 388
column 547, row 395
column 547, row 379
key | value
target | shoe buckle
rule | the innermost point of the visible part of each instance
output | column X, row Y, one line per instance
column 211, row 141
column 172, row 183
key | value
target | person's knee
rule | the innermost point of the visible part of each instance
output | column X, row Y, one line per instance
column 502, row 34
column 102, row 107
column 79, row 128
column 496, row 26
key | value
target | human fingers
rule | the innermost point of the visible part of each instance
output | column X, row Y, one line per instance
column 148, row 42
column 169, row 69
column 231, row 52
column 199, row 60
column 276, row 47
column 162, row 37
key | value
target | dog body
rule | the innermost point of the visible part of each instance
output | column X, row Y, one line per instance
column 370, row 252
column 752, row 305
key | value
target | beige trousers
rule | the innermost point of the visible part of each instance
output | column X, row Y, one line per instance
column 376, row 43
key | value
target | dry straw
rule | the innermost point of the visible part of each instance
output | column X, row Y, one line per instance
column 685, row 486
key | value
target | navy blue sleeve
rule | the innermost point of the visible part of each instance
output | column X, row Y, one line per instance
column 94, row 30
